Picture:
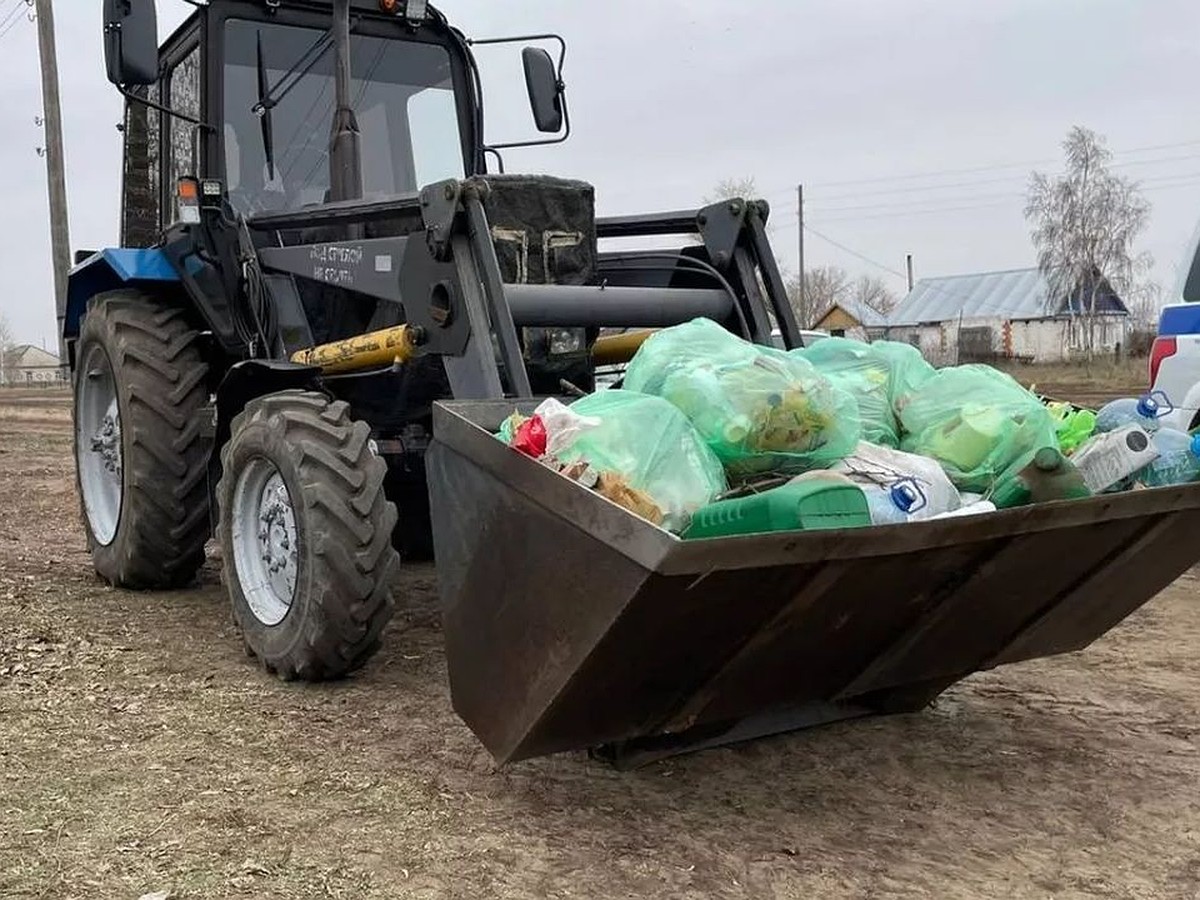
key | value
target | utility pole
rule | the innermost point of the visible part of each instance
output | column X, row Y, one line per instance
column 56, row 177
column 908, row 267
column 804, row 323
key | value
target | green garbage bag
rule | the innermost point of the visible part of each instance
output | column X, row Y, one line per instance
column 649, row 444
column 908, row 370
column 977, row 422
column 865, row 375
column 760, row 409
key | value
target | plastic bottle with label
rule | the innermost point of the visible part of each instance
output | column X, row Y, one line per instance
column 894, row 504
column 1178, row 459
column 1145, row 411
column 1107, row 461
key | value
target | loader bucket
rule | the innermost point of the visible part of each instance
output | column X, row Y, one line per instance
column 570, row 623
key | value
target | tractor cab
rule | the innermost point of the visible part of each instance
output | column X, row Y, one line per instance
column 245, row 92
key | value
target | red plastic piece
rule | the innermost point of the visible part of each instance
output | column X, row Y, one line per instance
column 530, row 438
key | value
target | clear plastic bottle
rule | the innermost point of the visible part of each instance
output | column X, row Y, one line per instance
column 1145, row 411
column 893, row 504
column 1178, row 459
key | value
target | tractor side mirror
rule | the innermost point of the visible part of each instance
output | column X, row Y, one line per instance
column 131, row 42
column 545, row 89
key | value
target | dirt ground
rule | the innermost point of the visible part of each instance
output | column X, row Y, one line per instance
column 1091, row 384
column 141, row 751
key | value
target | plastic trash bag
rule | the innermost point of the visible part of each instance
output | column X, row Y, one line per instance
column 856, row 368
column 564, row 425
column 650, row 446
column 909, row 370
column 977, row 422
column 758, row 408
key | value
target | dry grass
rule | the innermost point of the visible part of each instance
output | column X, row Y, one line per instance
column 1092, row 383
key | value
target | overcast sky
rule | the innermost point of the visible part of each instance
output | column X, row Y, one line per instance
column 849, row 97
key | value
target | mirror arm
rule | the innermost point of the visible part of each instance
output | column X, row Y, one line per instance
column 562, row 58
column 499, row 158
column 492, row 148
column 165, row 110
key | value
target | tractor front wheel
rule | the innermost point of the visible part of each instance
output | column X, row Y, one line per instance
column 305, row 531
column 140, row 456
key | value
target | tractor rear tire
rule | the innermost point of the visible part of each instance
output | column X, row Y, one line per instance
column 141, row 460
column 305, row 531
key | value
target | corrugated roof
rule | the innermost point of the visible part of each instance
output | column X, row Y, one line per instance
column 867, row 316
column 27, row 356
column 1012, row 294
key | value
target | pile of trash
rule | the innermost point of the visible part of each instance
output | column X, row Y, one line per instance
column 711, row 435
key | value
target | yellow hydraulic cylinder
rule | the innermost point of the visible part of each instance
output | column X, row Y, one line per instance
column 614, row 349
column 389, row 346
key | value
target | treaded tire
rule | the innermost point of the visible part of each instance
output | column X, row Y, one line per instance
column 160, row 385
column 345, row 561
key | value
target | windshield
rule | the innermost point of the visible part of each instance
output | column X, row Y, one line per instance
column 403, row 99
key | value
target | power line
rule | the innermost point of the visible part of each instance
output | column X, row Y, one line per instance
column 990, row 167
column 920, row 212
column 852, row 251
column 933, row 174
column 14, row 18
column 975, row 201
column 1003, row 179
column 906, row 204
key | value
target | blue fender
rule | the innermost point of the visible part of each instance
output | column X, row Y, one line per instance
column 109, row 269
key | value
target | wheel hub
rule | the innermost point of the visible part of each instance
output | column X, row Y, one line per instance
column 98, row 444
column 265, row 540
column 107, row 441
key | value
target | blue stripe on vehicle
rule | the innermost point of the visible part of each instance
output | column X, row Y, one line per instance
column 1180, row 319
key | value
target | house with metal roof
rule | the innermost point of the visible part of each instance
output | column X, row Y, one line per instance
column 1006, row 315
column 27, row 364
column 854, row 319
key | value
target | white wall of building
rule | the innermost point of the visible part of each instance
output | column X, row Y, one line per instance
column 1037, row 340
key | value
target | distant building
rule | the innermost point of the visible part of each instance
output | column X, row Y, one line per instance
column 852, row 319
column 1004, row 315
column 27, row 364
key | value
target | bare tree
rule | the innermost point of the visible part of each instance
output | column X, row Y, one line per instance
column 873, row 291
column 1144, row 302
column 733, row 188
column 1083, row 225
column 6, row 342
column 824, row 287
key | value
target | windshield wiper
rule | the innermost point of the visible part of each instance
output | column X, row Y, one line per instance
column 269, row 96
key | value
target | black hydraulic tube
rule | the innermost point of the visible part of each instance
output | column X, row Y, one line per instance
column 345, row 152
column 649, row 224
column 553, row 305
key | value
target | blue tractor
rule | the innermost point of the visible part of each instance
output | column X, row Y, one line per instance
column 317, row 244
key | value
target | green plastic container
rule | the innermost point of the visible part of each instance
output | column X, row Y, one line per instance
column 798, row 506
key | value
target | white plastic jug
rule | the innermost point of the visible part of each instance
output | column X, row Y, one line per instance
column 1108, row 459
